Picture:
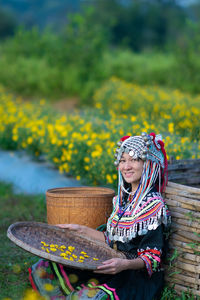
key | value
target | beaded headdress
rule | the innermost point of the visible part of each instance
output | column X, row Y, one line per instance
column 149, row 148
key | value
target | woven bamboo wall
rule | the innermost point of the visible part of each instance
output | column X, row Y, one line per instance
column 184, row 204
column 186, row 171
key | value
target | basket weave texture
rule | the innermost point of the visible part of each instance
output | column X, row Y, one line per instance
column 184, row 204
column 29, row 235
column 90, row 206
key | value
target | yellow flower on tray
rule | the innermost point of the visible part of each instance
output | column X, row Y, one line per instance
column 63, row 254
column 71, row 248
column 53, row 249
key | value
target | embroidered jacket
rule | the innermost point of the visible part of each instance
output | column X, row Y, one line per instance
column 139, row 232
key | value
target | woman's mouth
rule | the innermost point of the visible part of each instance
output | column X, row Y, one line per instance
column 129, row 174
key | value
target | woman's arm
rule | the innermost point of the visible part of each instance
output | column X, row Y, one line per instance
column 149, row 255
column 85, row 230
column 116, row 265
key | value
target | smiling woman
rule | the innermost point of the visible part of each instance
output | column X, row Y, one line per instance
column 135, row 227
column 131, row 170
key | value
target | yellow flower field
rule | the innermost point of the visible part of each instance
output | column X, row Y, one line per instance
column 83, row 143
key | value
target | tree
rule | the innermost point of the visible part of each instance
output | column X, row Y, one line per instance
column 7, row 24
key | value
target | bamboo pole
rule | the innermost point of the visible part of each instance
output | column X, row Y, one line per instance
column 184, row 212
column 180, row 238
column 187, row 261
column 177, row 280
column 179, row 202
column 188, row 236
column 180, row 288
column 182, row 246
column 188, row 223
column 176, row 186
column 179, row 227
column 188, row 267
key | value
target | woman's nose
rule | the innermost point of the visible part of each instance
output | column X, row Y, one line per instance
column 127, row 165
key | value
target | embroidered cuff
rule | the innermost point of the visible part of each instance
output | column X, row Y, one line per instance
column 152, row 259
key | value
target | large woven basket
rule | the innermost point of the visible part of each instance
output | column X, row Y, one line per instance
column 184, row 204
column 89, row 206
column 61, row 245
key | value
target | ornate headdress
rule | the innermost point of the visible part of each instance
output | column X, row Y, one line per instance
column 149, row 148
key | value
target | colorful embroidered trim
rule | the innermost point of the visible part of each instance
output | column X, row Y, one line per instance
column 137, row 220
column 152, row 259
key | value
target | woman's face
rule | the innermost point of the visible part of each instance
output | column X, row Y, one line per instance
column 131, row 169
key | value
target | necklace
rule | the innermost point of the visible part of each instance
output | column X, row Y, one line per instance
column 129, row 193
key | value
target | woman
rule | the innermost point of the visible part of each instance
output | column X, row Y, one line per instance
column 135, row 227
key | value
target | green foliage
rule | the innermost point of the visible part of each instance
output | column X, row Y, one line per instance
column 187, row 67
column 141, row 25
column 30, row 76
column 7, row 24
column 14, row 262
column 78, row 60
column 46, row 64
column 147, row 68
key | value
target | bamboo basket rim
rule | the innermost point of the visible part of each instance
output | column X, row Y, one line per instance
column 84, row 191
column 94, row 245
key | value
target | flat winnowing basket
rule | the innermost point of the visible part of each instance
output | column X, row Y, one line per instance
column 60, row 245
column 90, row 206
column 184, row 204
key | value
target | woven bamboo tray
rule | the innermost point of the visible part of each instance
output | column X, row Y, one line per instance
column 90, row 206
column 29, row 235
column 184, row 204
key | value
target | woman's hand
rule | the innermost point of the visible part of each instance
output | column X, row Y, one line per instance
column 112, row 266
column 76, row 227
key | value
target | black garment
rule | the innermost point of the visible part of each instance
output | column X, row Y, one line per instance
column 138, row 285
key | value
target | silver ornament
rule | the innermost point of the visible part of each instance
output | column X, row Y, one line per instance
column 143, row 157
column 131, row 153
column 145, row 138
column 144, row 151
column 143, row 134
column 148, row 143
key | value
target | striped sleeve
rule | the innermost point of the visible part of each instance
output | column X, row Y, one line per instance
column 150, row 249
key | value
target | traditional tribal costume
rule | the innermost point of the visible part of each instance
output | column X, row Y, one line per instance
column 135, row 227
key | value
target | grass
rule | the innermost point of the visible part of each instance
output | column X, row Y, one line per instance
column 14, row 262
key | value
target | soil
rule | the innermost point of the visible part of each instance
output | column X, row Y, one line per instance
column 66, row 105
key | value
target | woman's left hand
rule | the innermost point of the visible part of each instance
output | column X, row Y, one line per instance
column 112, row 266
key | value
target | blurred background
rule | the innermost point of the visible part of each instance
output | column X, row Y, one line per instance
column 74, row 45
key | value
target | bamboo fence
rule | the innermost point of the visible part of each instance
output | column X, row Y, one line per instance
column 184, row 204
